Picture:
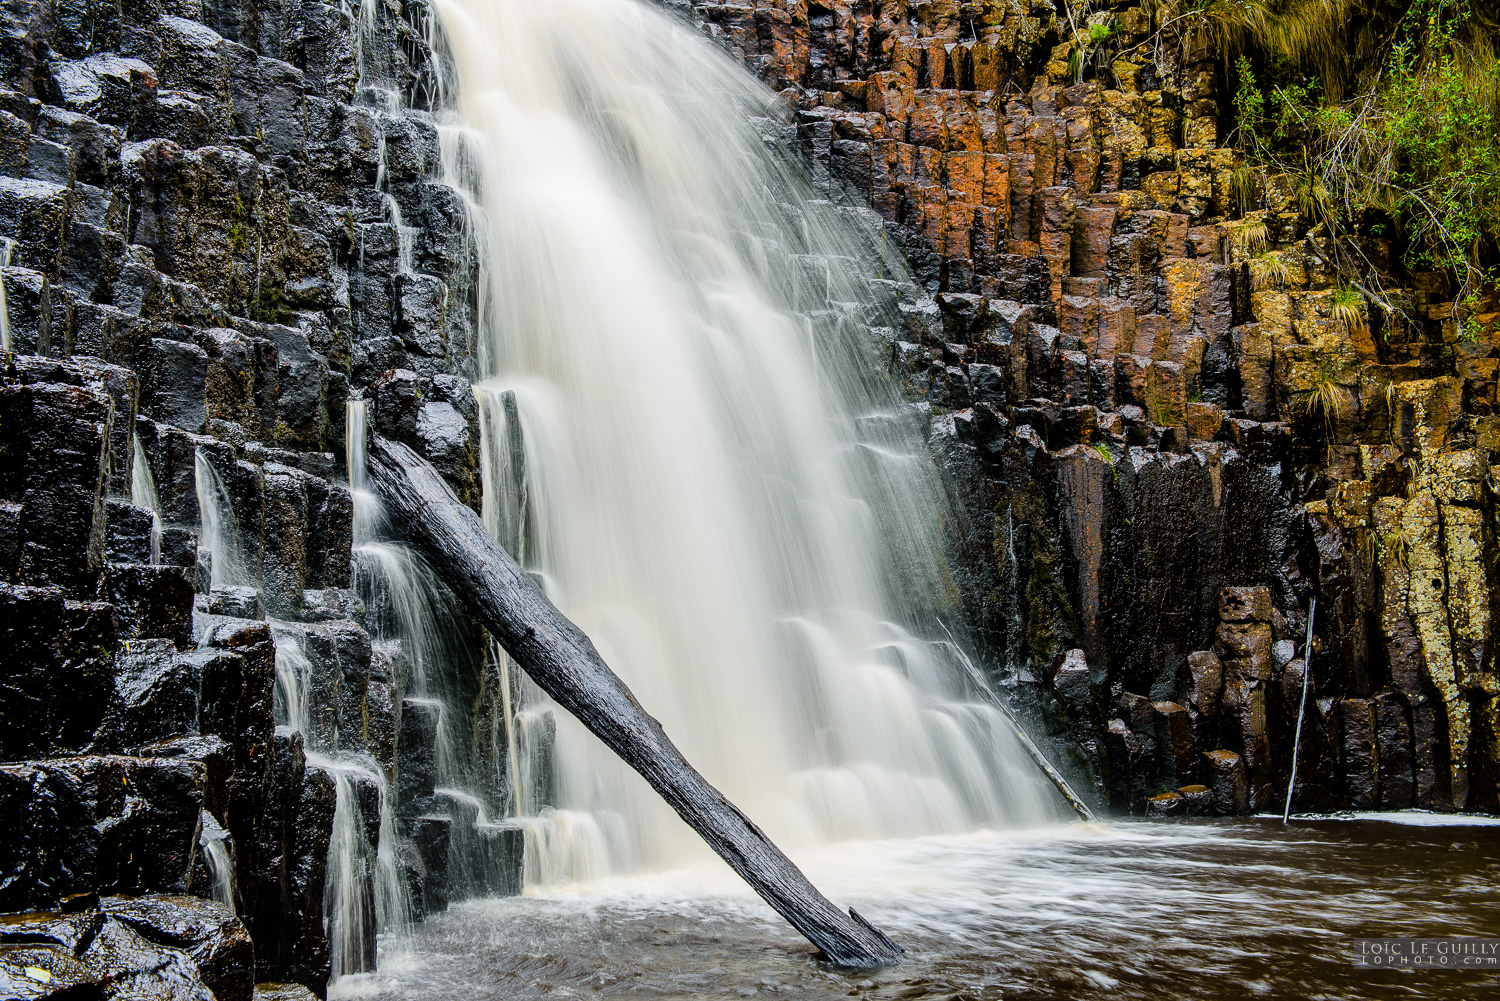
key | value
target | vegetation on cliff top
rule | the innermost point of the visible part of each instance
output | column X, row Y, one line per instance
column 1386, row 115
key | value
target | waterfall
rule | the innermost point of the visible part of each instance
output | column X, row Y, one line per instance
column 218, row 527
column 216, row 856
column 143, row 493
column 689, row 441
column 7, row 247
column 349, row 897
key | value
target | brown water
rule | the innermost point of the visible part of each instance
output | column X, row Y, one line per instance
column 1200, row 910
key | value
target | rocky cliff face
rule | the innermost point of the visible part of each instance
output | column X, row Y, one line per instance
column 220, row 221
column 223, row 220
column 1161, row 436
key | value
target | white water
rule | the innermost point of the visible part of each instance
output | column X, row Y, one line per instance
column 218, row 528
column 143, row 493
column 715, row 483
column 7, row 247
column 216, row 856
column 364, row 889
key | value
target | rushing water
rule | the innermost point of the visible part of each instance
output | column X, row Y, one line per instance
column 687, row 437
column 1207, row 910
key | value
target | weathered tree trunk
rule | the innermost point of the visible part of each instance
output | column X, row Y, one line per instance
column 562, row 660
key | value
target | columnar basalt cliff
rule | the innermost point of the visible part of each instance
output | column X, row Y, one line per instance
column 1160, row 439
column 220, row 223
column 224, row 221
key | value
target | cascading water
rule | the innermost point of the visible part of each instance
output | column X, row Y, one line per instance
column 218, row 529
column 143, row 493
column 213, row 840
column 7, row 247
column 688, row 439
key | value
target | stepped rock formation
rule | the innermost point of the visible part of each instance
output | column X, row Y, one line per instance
column 1127, row 404
column 224, row 220
column 216, row 222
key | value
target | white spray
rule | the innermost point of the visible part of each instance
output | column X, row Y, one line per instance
column 718, row 485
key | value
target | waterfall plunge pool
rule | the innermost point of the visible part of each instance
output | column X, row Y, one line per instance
column 1194, row 909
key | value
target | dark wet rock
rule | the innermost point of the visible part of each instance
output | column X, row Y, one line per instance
column 54, row 457
column 338, row 654
column 1394, row 752
column 130, row 531
column 1167, row 804
column 286, row 883
column 1198, row 800
column 157, row 694
column 174, row 384
column 116, row 825
column 214, row 753
column 163, row 947
column 283, row 992
column 57, row 671
column 332, row 604
column 1174, row 739
column 1206, row 674
column 207, row 931
column 1131, row 767
column 380, row 725
column 234, row 602
column 1071, row 682
column 152, row 601
column 10, row 541
column 1227, row 779
column 432, row 838
column 136, row 966
column 503, row 848
column 1245, row 604
column 417, row 750
column 28, row 301
column 1358, row 726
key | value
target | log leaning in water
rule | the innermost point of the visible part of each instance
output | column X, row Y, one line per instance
column 563, row 662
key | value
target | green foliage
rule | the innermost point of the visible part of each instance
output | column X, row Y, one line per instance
column 1413, row 155
column 1348, row 310
column 1327, row 399
column 269, row 305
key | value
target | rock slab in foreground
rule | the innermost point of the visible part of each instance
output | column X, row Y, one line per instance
column 167, row 948
column 562, row 660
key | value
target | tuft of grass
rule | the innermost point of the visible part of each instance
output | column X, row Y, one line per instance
column 1270, row 270
column 1349, row 311
column 1328, row 399
column 1249, row 236
column 1394, row 547
column 1245, row 183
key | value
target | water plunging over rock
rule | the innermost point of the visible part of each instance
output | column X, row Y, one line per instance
column 687, row 438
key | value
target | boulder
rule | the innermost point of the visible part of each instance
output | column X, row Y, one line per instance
column 57, row 671
column 1231, row 791
column 111, row 824
column 206, row 930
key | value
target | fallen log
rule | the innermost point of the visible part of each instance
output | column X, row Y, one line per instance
column 564, row 664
